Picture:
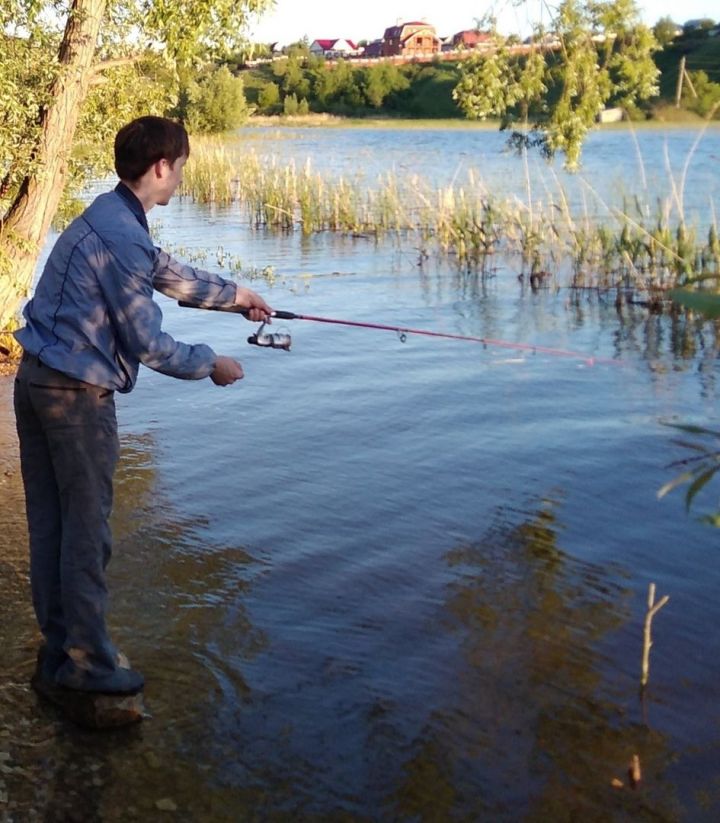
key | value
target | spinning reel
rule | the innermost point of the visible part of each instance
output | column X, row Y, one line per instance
column 270, row 340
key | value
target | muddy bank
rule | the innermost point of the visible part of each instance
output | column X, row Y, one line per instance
column 25, row 730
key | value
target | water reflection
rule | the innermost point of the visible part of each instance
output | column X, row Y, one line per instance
column 535, row 730
column 171, row 591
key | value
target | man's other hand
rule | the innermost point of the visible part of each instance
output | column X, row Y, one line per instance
column 226, row 371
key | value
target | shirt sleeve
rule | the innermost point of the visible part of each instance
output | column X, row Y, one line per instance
column 183, row 282
column 128, row 287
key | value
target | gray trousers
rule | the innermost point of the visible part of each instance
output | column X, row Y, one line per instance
column 68, row 451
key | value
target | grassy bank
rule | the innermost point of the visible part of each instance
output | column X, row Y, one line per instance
column 339, row 121
column 665, row 116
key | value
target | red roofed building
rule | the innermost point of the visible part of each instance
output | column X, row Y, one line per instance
column 470, row 39
column 333, row 48
column 409, row 39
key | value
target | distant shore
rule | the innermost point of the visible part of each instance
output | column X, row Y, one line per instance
column 670, row 118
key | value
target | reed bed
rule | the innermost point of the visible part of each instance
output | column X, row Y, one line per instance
column 633, row 247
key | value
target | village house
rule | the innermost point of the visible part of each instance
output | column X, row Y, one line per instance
column 409, row 39
column 471, row 39
column 373, row 49
column 334, row 48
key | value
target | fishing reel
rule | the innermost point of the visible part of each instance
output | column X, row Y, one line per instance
column 269, row 340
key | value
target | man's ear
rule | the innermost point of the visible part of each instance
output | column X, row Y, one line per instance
column 159, row 168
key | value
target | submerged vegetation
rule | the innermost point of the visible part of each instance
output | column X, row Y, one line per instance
column 640, row 251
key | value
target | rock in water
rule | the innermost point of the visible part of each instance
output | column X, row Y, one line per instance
column 91, row 710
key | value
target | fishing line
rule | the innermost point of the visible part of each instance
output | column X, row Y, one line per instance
column 282, row 341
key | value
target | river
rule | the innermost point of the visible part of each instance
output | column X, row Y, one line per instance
column 386, row 580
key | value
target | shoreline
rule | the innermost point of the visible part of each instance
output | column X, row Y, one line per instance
column 324, row 120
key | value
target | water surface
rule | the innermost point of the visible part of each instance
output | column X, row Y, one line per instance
column 393, row 581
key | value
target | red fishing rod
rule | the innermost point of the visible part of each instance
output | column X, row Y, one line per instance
column 283, row 341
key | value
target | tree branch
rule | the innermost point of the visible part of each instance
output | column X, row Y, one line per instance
column 104, row 65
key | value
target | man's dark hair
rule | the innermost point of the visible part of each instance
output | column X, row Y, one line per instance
column 146, row 140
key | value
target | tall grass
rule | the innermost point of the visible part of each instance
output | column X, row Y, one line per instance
column 636, row 247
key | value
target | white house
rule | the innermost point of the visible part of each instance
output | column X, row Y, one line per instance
column 334, row 48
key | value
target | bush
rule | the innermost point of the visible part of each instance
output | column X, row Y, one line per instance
column 269, row 99
column 290, row 105
column 214, row 103
column 708, row 95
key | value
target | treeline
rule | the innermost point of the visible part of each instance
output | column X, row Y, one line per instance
column 221, row 96
column 303, row 83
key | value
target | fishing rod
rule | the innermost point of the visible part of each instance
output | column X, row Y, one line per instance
column 283, row 341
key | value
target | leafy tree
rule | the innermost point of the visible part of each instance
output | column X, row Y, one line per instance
column 665, row 31
column 701, row 28
column 215, row 102
column 294, row 80
column 337, row 88
column 381, row 80
column 706, row 100
column 604, row 57
column 71, row 71
column 300, row 49
column 269, row 98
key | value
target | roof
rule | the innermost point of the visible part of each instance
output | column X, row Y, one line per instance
column 327, row 45
column 471, row 37
column 413, row 33
column 396, row 31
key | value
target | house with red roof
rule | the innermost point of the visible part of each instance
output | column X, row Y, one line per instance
column 410, row 39
column 471, row 38
column 334, row 48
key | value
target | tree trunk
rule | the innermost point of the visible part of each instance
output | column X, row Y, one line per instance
column 28, row 220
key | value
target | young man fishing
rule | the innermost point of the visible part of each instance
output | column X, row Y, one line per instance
column 90, row 324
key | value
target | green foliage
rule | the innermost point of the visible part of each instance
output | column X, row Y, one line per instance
column 706, row 99
column 140, row 48
column 665, row 31
column 344, row 88
column 707, row 304
column 214, row 102
column 700, row 55
column 27, row 68
column 604, row 58
column 429, row 93
column 111, row 103
column 268, row 100
column 704, row 463
column 207, row 27
column 292, row 76
column 699, row 469
column 290, row 105
column 493, row 85
column 382, row 80
column 701, row 29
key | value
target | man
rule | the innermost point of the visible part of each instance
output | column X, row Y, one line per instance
column 90, row 323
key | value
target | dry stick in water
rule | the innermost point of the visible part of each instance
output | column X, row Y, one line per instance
column 653, row 609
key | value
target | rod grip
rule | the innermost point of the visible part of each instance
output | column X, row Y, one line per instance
column 280, row 315
column 233, row 309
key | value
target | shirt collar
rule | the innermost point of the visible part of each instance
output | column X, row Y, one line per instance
column 135, row 205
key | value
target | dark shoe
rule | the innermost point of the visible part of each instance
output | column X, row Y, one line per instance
column 121, row 681
column 91, row 708
column 48, row 663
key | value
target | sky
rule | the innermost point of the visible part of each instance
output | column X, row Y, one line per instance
column 368, row 19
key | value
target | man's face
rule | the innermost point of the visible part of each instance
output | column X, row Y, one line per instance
column 170, row 179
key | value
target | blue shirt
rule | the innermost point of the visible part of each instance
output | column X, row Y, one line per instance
column 93, row 316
